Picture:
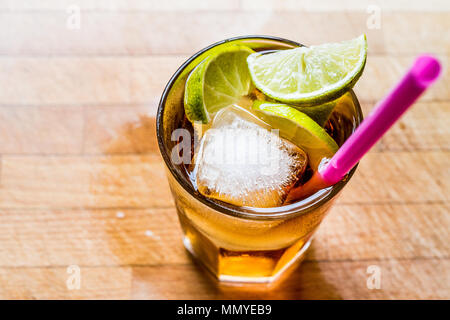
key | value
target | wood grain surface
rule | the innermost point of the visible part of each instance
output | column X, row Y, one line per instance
column 82, row 182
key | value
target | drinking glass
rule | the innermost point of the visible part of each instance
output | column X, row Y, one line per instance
column 244, row 244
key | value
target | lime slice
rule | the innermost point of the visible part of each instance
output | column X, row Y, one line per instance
column 218, row 81
column 309, row 75
column 298, row 128
column 320, row 113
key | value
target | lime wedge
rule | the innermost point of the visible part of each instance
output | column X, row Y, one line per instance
column 298, row 128
column 309, row 75
column 218, row 81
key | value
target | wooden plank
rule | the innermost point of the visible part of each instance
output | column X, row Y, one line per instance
column 423, row 127
column 48, row 238
column 85, row 81
column 63, row 80
column 149, row 76
column 400, row 279
column 51, row 283
column 78, row 182
column 129, row 129
column 364, row 232
column 121, row 5
column 137, row 181
column 382, row 72
column 72, row 130
column 49, row 130
column 112, row 130
column 185, row 32
column 141, row 80
column 348, row 5
column 400, row 36
column 248, row 5
column 41, row 130
column 403, row 279
column 399, row 177
column 45, row 238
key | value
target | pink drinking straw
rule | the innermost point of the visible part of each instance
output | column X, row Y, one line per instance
column 422, row 74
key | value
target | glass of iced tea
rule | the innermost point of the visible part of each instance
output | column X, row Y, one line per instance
column 241, row 126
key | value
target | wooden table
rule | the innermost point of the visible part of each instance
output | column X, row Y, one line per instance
column 82, row 182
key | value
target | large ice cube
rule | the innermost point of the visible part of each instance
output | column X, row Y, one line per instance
column 242, row 162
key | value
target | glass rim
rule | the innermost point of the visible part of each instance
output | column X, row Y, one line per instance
column 251, row 213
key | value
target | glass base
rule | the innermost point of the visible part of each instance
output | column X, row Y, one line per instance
column 250, row 267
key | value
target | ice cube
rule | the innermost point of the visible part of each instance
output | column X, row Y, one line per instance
column 243, row 162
